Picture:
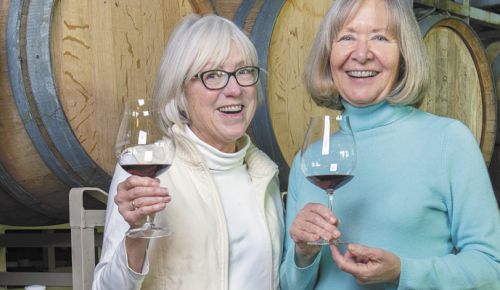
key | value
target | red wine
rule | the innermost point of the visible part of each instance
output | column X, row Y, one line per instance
column 330, row 181
column 145, row 170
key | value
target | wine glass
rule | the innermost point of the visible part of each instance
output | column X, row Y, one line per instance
column 143, row 150
column 328, row 157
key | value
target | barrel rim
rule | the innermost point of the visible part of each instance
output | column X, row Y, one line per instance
column 16, row 191
column 38, row 33
column 52, row 136
column 261, row 33
column 242, row 12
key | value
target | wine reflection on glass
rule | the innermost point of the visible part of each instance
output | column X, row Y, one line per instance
column 143, row 150
column 328, row 157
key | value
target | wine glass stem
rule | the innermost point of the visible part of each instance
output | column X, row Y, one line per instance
column 330, row 199
column 150, row 219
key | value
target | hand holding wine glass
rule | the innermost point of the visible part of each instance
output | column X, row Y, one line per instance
column 328, row 157
column 142, row 150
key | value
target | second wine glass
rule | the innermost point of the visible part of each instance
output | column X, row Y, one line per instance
column 328, row 156
column 143, row 150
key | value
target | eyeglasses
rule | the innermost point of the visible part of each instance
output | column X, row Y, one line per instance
column 218, row 79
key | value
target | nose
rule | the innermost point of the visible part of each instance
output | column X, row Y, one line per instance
column 362, row 51
column 233, row 88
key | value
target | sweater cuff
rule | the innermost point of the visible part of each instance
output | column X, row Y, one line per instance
column 302, row 277
column 404, row 277
column 133, row 275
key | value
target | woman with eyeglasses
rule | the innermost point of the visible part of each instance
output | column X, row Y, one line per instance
column 225, row 210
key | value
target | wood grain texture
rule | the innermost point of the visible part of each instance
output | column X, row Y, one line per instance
column 105, row 52
column 461, row 81
column 202, row 6
column 290, row 106
column 493, row 52
column 18, row 155
column 102, row 53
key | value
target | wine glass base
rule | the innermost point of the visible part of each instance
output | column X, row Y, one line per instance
column 148, row 233
column 322, row 242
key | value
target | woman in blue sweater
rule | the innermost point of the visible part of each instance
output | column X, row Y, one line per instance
column 420, row 212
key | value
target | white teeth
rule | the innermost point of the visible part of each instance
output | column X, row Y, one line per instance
column 362, row 73
column 231, row 109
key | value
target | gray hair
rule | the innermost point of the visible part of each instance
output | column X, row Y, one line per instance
column 195, row 42
column 413, row 78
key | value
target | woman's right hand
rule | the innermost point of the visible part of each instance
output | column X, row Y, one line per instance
column 138, row 197
column 313, row 221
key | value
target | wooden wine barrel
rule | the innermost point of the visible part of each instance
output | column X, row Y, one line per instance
column 493, row 52
column 67, row 67
column 283, row 33
column 461, row 79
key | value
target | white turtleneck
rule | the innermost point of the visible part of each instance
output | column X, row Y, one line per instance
column 249, row 244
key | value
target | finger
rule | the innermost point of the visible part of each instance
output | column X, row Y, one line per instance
column 323, row 211
column 137, row 181
column 124, row 198
column 322, row 227
column 336, row 255
column 310, row 227
column 124, row 187
column 149, row 209
column 147, row 191
column 136, row 218
column 346, row 262
column 301, row 236
column 362, row 252
column 321, row 216
column 149, row 200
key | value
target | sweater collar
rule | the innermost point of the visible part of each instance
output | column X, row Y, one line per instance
column 258, row 163
column 373, row 116
column 218, row 160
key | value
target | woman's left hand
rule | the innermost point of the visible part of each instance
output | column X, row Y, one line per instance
column 368, row 265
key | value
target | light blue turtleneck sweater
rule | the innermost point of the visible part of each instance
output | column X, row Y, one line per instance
column 421, row 191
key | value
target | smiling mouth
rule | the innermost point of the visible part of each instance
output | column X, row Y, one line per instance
column 362, row 73
column 234, row 109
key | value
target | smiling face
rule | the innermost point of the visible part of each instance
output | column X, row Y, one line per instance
column 365, row 56
column 220, row 117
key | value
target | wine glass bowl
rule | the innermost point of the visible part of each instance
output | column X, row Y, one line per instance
column 143, row 150
column 328, row 156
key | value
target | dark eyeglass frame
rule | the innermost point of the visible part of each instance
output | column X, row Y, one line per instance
column 201, row 75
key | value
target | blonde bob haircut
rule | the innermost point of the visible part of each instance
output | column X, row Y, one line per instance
column 413, row 76
column 197, row 42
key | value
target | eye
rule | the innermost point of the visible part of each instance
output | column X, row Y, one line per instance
column 247, row 70
column 346, row 37
column 213, row 75
column 380, row 38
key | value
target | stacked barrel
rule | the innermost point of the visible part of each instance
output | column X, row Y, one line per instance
column 68, row 66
